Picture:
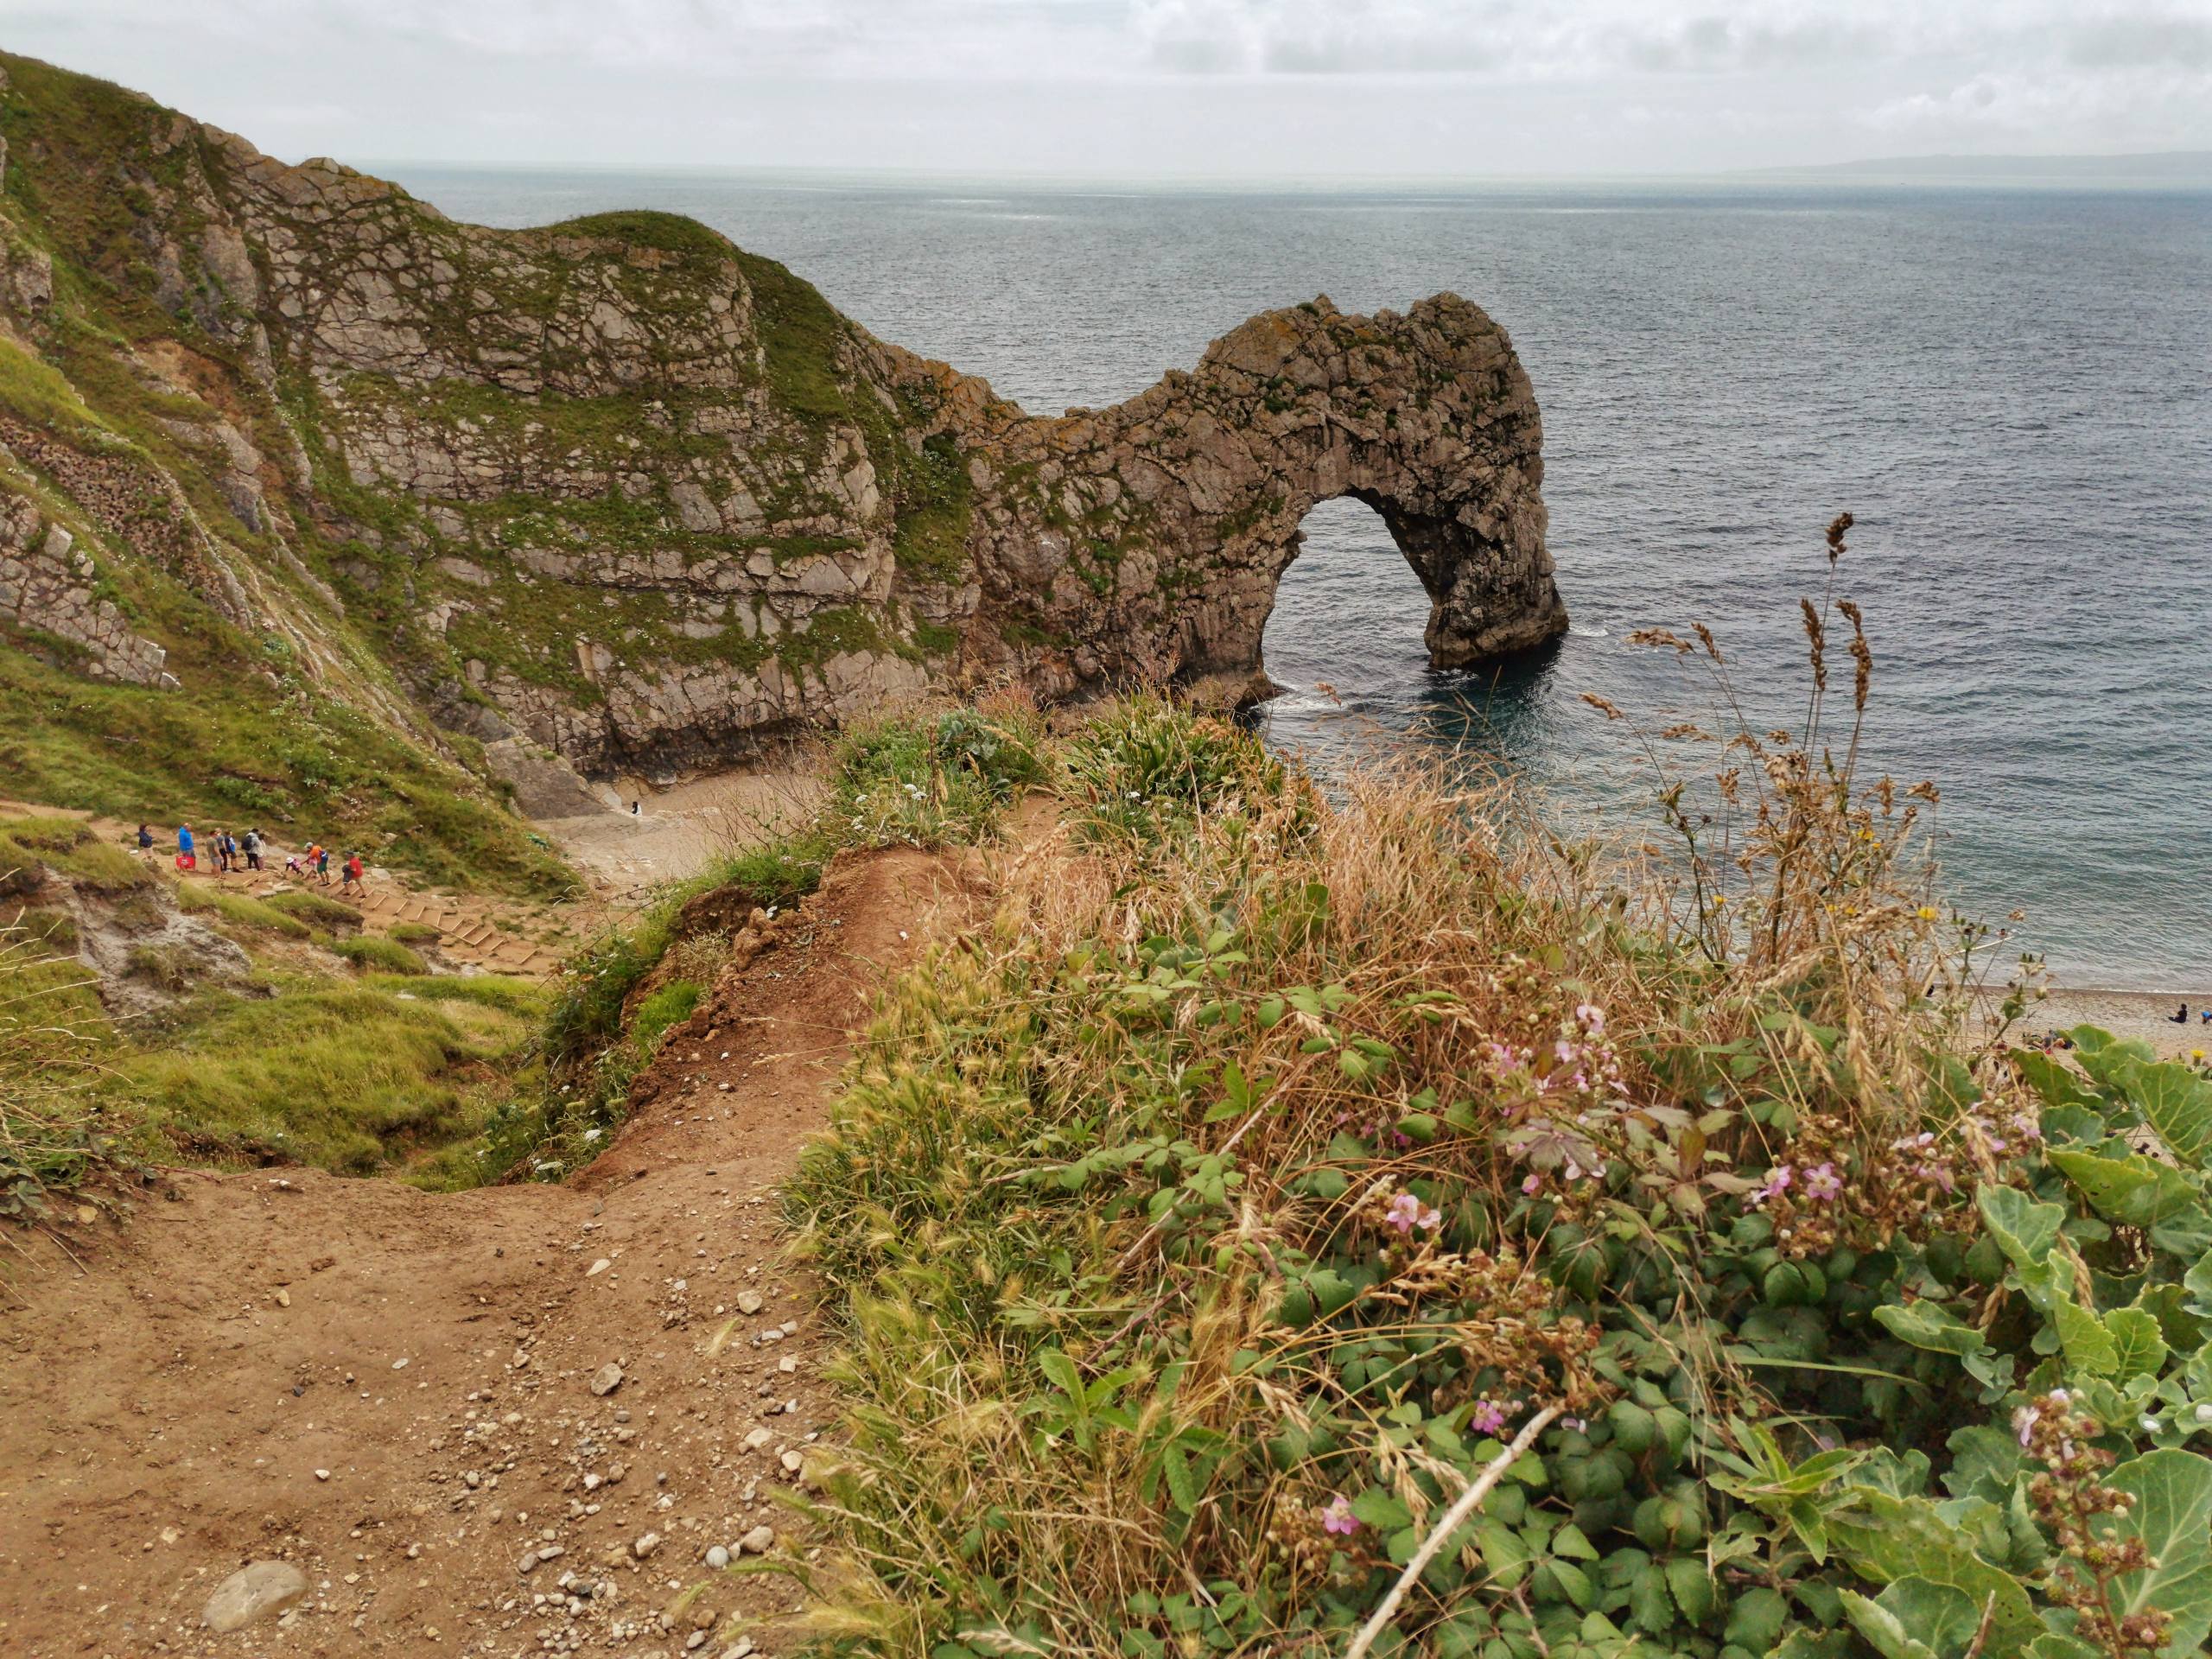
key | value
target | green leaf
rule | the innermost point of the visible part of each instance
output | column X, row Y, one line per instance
column 2024, row 1230
column 1503, row 1553
column 1942, row 1616
column 1883, row 1629
column 1930, row 1325
column 1885, row 1538
column 2135, row 1191
column 1569, row 1541
column 1985, row 1460
column 2173, row 1516
column 1061, row 1370
column 2059, row 1084
column 2082, row 1336
column 2139, row 1350
column 2177, row 1103
column 1381, row 1510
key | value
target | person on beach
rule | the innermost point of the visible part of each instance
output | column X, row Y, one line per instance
column 186, row 858
column 2180, row 1015
column 145, row 838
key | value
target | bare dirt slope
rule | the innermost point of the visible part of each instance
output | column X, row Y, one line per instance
column 396, row 1391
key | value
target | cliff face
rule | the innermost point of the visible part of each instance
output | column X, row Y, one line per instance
column 619, row 490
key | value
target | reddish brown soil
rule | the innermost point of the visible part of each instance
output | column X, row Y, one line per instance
column 290, row 1364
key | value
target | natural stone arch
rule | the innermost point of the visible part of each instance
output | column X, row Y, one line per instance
column 1145, row 541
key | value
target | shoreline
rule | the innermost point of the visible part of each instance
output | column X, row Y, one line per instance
column 2145, row 1015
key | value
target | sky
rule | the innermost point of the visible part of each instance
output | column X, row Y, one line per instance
column 1246, row 89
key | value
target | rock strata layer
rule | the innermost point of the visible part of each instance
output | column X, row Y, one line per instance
column 616, row 495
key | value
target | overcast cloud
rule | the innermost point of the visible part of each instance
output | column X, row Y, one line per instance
column 1226, row 88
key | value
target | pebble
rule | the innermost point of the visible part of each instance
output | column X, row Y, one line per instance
column 718, row 1558
column 758, row 1542
column 749, row 1301
column 647, row 1543
column 758, row 1438
column 258, row 1588
column 597, row 1267
column 606, row 1379
column 322, row 1474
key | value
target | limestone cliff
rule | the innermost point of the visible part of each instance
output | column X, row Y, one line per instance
column 618, row 492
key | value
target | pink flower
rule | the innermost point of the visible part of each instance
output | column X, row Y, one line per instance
column 1533, row 1185
column 1489, row 1417
column 1592, row 1018
column 1777, row 1183
column 1336, row 1517
column 1823, row 1182
column 1406, row 1212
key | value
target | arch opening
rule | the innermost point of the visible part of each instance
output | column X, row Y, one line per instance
column 1350, row 610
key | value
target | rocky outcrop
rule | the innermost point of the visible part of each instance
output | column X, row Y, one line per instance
column 618, row 492
column 49, row 591
column 1145, row 541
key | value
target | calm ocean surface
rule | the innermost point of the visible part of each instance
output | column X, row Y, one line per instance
column 2012, row 390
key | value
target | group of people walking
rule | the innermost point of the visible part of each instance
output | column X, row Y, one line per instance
column 243, row 853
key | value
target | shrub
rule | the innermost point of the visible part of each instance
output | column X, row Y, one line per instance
column 366, row 951
column 415, row 933
column 51, row 1129
column 253, row 915
column 924, row 782
column 317, row 909
column 1145, row 772
column 66, row 845
column 346, row 1077
column 1210, row 1230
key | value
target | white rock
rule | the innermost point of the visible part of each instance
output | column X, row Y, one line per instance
column 758, row 1542
column 247, row 1594
column 606, row 1379
column 597, row 1267
column 718, row 1558
column 647, row 1543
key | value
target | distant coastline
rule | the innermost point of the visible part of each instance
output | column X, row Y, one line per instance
column 2187, row 169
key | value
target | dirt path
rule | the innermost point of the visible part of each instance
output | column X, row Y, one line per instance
column 397, row 1393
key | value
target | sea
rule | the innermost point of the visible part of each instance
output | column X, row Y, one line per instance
column 2010, row 389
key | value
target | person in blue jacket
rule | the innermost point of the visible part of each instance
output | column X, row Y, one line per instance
column 184, row 853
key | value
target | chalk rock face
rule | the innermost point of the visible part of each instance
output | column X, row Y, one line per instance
column 617, row 492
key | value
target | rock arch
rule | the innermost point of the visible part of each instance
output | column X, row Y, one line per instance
column 1145, row 541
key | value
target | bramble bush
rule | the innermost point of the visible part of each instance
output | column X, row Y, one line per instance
column 1279, row 1167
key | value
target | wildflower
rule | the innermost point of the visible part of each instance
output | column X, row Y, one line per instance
column 1776, row 1182
column 2024, row 1423
column 1575, row 1424
column 1336, row 1517
column 1489, row 1417
column 2151, row 1425
column 1535, row 1184
column 1591, row 1017
column 1406, row 1212
column 2204, row 1414
column 1821, row 1182
column 1927, row 913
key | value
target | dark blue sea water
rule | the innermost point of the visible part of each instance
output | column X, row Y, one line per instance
column 2012, row 390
